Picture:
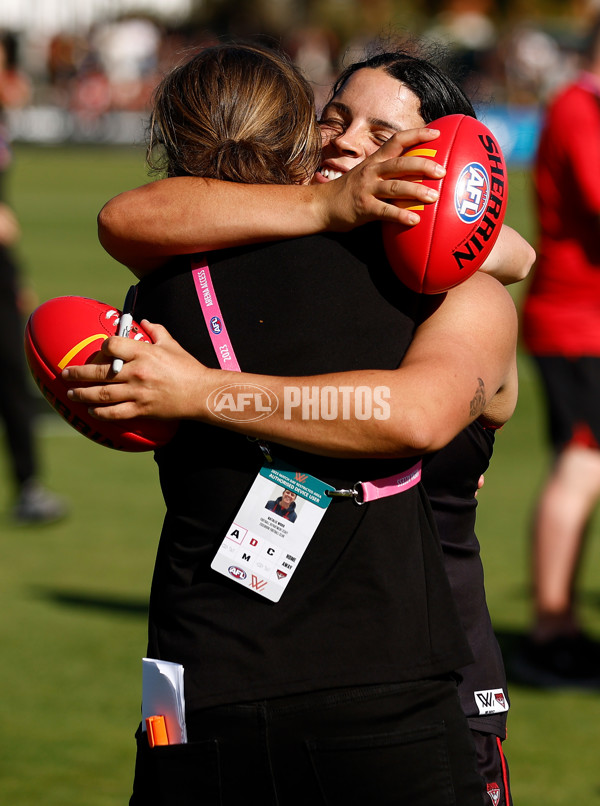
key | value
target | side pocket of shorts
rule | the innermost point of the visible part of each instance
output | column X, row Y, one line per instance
column 176, row 775
column 409, row 768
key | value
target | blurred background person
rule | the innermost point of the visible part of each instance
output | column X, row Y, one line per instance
column 561, row 328
column 34, row 504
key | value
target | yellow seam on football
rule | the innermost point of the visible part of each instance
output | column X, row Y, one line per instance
column 78, row 347
column 421, row 152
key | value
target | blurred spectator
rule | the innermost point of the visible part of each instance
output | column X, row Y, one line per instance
column 90, row 95
column 534, row 66
column 466, row 27
column 315, row 51
column 15, row 89
column 62, row 60
column 34, row 504
column 561, row 327
column 128, row 50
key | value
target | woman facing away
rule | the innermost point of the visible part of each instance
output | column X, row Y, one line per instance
column 358, row 120
column 451, row 360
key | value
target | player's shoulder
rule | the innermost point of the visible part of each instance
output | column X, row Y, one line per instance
column 483, row 307
column 482, row 292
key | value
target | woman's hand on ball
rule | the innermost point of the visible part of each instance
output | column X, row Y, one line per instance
column 383, row 186
column 159, row 380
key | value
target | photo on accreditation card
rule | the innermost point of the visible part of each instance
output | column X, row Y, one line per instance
column 272, row 530
column 284, row 504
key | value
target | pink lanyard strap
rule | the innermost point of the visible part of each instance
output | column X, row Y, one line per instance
column 213, row 318
column 392, row 485
column 365, row 491
column 215, row 324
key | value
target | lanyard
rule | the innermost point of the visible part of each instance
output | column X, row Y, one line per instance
column 363, row 491
column 213, row 318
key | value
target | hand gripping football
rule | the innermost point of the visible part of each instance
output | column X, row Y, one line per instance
column 69, row 331
column 457, row 232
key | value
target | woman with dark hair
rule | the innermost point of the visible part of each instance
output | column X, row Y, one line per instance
column 337, row 687
column 195, row 210
column 436, row 92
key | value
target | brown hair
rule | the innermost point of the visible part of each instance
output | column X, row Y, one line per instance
column 236, row 112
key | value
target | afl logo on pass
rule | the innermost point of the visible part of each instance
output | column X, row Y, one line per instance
column 472, row 192
column 216, row 324
column 236, row 572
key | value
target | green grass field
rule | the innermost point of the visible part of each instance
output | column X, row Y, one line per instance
column 73, row 596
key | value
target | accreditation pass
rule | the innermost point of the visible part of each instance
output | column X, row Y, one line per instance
column 272, row 529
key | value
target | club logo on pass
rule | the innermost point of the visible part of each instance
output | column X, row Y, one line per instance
column 272, row 530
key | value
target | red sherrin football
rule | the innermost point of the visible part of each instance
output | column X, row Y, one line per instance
column 458, row 231
column 68, row 331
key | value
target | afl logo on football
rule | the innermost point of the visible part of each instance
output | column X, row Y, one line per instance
column 236, row 572
column 216, row 324
column 472, row 192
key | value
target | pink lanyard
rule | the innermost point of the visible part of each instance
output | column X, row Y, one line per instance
column 363, row 491
column 213, row 318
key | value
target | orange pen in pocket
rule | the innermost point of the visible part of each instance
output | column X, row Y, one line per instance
column 157, row 731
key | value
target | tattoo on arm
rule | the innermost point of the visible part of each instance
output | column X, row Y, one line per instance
column 479, row 401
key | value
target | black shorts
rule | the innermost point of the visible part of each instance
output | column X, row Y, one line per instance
column 572, row 390
column 390, row 745
column 493, row 769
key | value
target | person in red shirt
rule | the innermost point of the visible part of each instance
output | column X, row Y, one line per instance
column 561, row 329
